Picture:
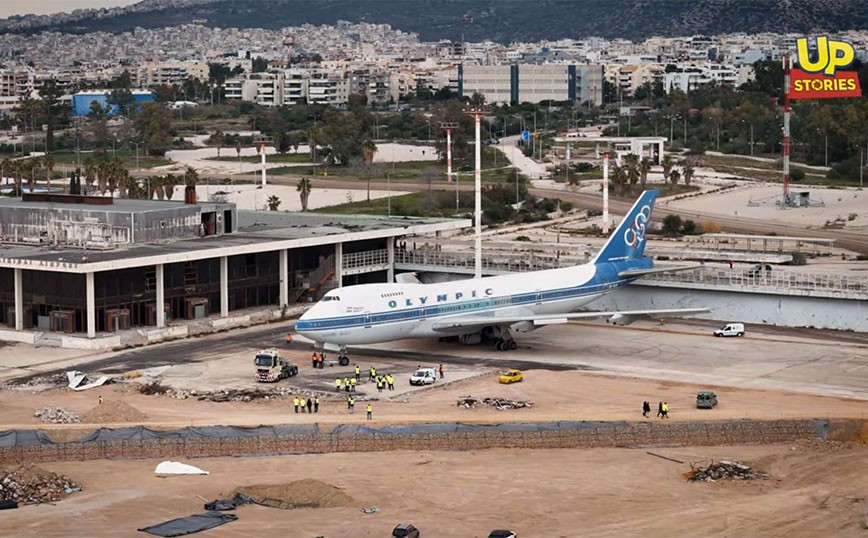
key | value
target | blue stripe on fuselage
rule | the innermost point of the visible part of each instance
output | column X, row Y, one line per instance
column 605, row 278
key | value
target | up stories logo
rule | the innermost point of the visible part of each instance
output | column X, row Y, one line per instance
column 635, row 234
column 821, row 78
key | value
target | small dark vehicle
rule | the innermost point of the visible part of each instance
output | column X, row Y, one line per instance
column 706, row 399
column 405, row 530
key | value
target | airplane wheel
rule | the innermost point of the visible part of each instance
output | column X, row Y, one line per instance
column 499, row 345
column 512, row 345
column 343, row 360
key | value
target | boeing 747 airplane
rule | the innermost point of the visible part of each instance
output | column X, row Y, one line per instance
column 490, row 307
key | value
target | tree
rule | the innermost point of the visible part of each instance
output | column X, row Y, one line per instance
column 32, row 165
column 90, row 173
column 124, row 100
column 644, row 168
column 343, row 134
column 688, row 170
column 6, row 169
column 48, row 163
column 282, row 142
column 368, row 150
column 273, row 203
column 191, row 177
column 672, row 225
column 217, row 139
column 674, row 176
column 152, row 125
column 97, row 127
column 169, row 183
column 667, row 167
column 75, row 182
column 631, row 168
column 619, row 177
column 303, row 188
column 260, row 64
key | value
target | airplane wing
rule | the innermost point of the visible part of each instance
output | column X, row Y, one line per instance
column 472, row 321
column 634, row 273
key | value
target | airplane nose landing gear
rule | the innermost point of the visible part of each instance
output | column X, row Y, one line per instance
column 343, row 360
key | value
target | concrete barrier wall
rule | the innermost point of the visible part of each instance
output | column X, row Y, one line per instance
column 640, row 434
column 782, row 310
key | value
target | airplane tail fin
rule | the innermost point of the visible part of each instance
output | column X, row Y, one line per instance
column 628, row 240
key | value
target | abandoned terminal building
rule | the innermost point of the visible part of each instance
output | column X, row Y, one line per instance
column 95, row 265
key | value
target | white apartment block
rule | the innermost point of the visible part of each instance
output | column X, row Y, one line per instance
column 629, row 78
column 691, row 77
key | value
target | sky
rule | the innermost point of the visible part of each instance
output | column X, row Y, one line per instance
column 22, row 7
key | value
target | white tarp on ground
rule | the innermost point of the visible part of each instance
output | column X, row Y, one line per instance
column 176, row 467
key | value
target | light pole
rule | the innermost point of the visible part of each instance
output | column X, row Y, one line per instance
column 477, row 113
column 671, row 122
column 685, row 131
column 389, row 195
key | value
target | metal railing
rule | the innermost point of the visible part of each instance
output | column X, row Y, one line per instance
column 501, row 263
column 368, row 258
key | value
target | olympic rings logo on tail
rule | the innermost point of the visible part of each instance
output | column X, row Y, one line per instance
column 635, row 234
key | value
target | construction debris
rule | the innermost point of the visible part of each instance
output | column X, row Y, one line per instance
column 305, row 493
column 77, row 380
column 225, row 395
column 113, row 411
column 500, row 404
column 56, row 415
column 29, row 484
column 724, row 470
column 37, row 383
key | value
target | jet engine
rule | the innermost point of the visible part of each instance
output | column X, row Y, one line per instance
column 621, row 319
column 524, row 326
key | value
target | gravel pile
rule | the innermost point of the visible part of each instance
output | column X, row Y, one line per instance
column 56, row 415
column 725, row 470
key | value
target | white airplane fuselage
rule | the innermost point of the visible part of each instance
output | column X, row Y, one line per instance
column 373, row 313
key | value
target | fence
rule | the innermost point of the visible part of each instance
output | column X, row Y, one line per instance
column 423, row 437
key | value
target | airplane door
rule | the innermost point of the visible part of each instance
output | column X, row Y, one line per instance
column 367, row 320
column 424, row 313
column 538, row 297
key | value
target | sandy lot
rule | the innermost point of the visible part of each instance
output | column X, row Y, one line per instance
column 590, row 492
column 249, row 196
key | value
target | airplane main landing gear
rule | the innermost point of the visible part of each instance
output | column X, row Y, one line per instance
column 504, row 344
column 343, row 360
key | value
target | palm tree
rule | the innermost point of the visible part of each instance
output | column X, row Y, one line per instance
column 191, row 177
column 303, row 188
column 688, row 170
column 619, row 177
column 103, row 172
column 368, row 150
column 48, row 163
column 674, row 176
column 32, row 165
column 17, row 170
column 90, row 173
column 644, row 168
column 169, row 183
column 667, row 167
column 273, row 203
column 631, row 168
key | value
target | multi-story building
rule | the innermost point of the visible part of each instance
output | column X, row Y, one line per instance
column 149, row 75
column 691, row 77
column 629, row 78
column 530, row 83
column 328, row 88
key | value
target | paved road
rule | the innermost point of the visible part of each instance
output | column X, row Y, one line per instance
column 817, row 362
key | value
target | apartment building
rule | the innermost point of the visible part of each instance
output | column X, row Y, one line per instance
column 691, row 77
column 629, row 78
column 153, row 74
column 532, row 83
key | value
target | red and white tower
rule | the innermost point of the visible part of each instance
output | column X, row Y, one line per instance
column 448, row 127
column 477, row 113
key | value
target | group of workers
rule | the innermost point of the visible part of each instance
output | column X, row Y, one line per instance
column 317, row 360
column 351, row 406
column 662, row 409
column 310, row 404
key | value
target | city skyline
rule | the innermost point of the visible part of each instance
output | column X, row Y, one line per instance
column 44, row 7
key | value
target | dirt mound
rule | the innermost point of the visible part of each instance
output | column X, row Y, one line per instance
column 113, row 411
column 307, row 493
column 29, row 483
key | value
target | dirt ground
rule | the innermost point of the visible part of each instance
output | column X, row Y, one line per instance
column 557, row 395
column 565, row 493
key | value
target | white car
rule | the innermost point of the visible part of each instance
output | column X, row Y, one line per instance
column 423, row 376
column 730, row 329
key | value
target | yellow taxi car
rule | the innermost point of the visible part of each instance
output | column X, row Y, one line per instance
column 511, row 376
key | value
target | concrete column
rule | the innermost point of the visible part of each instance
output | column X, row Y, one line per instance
column 161, row 297
column 390, row 249
column 91, row 305
column 339, row 264
column 224, row 286
column 284, row 277
column 19, row 300
column 660, row 153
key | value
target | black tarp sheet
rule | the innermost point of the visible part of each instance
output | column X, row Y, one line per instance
column 183, row 526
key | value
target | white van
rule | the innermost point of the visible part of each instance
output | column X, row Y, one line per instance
column 730, row 329
column 423, row 376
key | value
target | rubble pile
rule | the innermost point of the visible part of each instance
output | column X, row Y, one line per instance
column 56, row 415
column 30, row 484
column 225, row 395
column 724, row 470
column 37, row 383
column 500, row 404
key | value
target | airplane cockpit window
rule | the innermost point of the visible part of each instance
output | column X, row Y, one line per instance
column 331, row 298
